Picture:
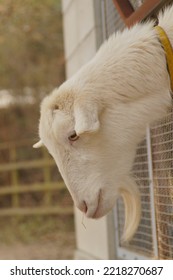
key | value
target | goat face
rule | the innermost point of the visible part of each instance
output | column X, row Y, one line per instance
column 90, row 149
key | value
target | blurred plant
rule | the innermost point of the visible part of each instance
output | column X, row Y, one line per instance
column 32, row 61
column 31, row 45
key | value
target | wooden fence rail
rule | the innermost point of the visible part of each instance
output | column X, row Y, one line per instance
column 47, row 187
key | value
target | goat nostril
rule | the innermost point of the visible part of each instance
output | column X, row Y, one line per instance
column 85, row 207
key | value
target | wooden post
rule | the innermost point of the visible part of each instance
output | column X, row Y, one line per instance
column 14, row 177
column 47, row 179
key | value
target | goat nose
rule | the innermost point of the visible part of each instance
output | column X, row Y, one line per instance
column 83, row 207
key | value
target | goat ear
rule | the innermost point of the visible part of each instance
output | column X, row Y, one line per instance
column 39, row 144
column 86, row 117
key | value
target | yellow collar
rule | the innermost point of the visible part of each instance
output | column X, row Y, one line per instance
column 168, row 51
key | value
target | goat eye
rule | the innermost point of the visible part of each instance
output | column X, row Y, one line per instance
column 73, row 136
column 56, row 107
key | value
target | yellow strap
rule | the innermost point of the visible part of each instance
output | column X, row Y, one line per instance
column 168, row 51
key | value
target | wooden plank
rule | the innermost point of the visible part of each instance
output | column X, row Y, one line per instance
column 145, row 10
column 26, row 164
column 36, row 211
column 14, row 178
column 46, row 187
column 124, row 8
column 32, row 188
column 47, row 179
column 20, row 143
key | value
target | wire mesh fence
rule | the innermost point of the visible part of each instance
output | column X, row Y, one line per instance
column 162, row 151
column 142, row 241
column 153, row 172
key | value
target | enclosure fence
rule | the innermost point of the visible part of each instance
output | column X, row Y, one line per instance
column 153, row 170
column 30, row 183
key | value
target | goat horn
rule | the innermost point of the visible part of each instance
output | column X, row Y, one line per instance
column 39, row 144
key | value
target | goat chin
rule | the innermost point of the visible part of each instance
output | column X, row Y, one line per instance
column 132, row 202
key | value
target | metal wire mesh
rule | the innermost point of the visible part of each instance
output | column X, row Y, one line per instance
column 146, row 239
column 136, row 3
column 142, row 241
column 112, row 19
column 162, row 153
column 162, row 168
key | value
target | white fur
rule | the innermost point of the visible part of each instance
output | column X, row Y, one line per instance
column 109, row 103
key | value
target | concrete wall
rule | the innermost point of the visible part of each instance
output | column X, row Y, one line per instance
column 82, row 37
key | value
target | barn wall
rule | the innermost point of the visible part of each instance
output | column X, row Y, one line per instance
column 80, row 33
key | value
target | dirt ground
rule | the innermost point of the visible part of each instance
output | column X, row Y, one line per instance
column 56, row 250
column 37, row 240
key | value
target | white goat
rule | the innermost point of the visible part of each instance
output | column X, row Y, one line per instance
column 93, row 122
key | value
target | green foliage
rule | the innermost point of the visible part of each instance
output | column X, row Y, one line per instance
column 31, row 44
column 31, row 56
